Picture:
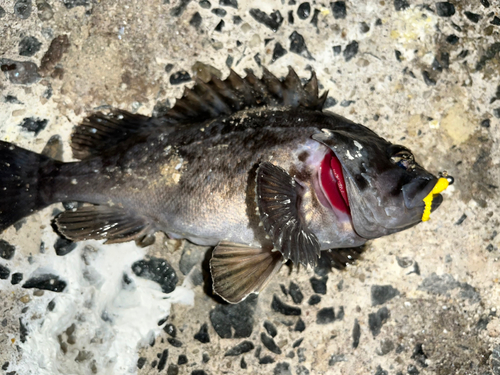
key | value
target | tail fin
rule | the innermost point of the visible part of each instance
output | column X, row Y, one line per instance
column 21, row 192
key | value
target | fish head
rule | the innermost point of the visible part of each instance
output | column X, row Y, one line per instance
column 385, row 186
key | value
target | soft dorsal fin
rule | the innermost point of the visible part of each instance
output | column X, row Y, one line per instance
column 216, row 97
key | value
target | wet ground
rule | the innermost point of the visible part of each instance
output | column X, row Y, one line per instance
column 424, row 301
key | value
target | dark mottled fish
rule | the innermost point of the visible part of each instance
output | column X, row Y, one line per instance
column 251, row 166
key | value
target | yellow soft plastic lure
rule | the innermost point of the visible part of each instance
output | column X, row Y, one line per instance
column 440, row 186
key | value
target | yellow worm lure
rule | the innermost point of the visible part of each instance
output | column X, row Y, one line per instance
column 440, row 186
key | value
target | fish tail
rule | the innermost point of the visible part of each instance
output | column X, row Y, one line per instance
column 25, row 182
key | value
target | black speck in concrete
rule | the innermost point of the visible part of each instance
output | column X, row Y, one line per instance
column 229, row 3
column 64, row 246
column 270, row 328
column 336, row 358
column 266, row 360
column 219, row 26
column 219, row 12
column 29, row 45
column 304, row 10
column 461, row 220
column 229, row 61
column 242, row 347
column 11, row 99
column 172, row 369
column 157, row 270
column 347, row 103
column 486, row 123
column 330, row 102
column 179, row 9
column 314, row 300
column 22, row 9
column 174, row 342
column 273, row 21
column 314, row 19
column 239, row 317
column 47, row 282
column 382, row 293
column 297, row 343
column 23, row 331
column 381, row 371
column 485, row 3
column 6, row 250
column 243, row 363
column 452, row 39
column 16, row 278
column 404, row 262
column 401, row 5
column 269, row 343
column 141, row 362
column 445, row 9
column 51, row 305
column 319, row 285
column 182, row 360
column 195, row 21
column 445, row 60
column 179, row 77
column 340, row 314
column 473, row 17
column 356, row 334
column 69, row 4
column 419, row 355
column 495, row 21
column 338, row 9
column 463, row 54
column 258, row 59
column 300, row 326
column 496, row 112
column 398, row 55
column 278, row 52
column 198, row 372
column 440, row 285
column 290, row 17
column 205, row 4
column 427, row 78
column 163, row 360
column 34, row 125
column 20, row 72
column 412, row 370
column 237, row 20
column 336, row 50
column 325, row 316
column 351, row 50
column 283, row 308
column 386, row 346
column 203, row 335
column 205, row 358
column 295, row 293
column 364, row 27
column 298, row 45
column 4, row 272
column 282, row 368
column 2, row 12
column 377, row 320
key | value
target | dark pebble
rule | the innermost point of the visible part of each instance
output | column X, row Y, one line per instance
column 34, row 125
column 269, row 343
column 229, row 61
column 297, row 343
column 256, row 354
column 495, row 21
column 382, row 293
column 198, row 372
column 283, row 308
column 300, row 326
column 270, row 328
column 330, row 102
column 291, row 20
column 267, row 41
column 229, row 3
column 473, row 17
column 304, row 10
column 45, row 11
column 377, row 320
column 419, row 355
column 266, row 360
column 346, row 103
column 412, row 370
column 16, row 278
column 496, row 112
column 486, row 123
column 445, row 60
column 258, row 59
column 174, row 342
column 2, row 12
column 141, row 362
column 172, row 369
column 179, row 77
column 336, row 358
column 23, row 331
column 5, row 366
column 51, row 305
column 182, row 360
column 157, row 270
column 273, row 21
column 243, row 363
column 301, row 354
column 6, row 250
column 12, row 100
column 205, row 4
column 179, row 9
column 378, row 22
column 351, row 50
column 356, row 334
column 386, row 346
column 485, row 3
column 202, row 335
column 314, row 300
column 47, row 282
column 284, row 290
column 401, row 5
column 314, row 19
column 4, row 272
column 243, row 347
column 463, row 54
column 195, row 21
column 338, row 9
column 404, row 262
column 69, row 4
column 163, row 360
column 219, row 12
column 237, row 20
column 28, row 46
column 364, row 27
column 22, row 9
column 298, row 45
column 302, row 370
column 452, row 39
column 461, row 220
column 295, row 293
column 319, row 285
column 282, row 368
column 205, row 358
column 278, row 52
column 381, row 371
column 220, row 26
column 445, row 9
column 398, row 55
column 239, row 317
column 64, row 246
column 427, row 78
column 325, row 316
column 190, row 257
column 340, row 314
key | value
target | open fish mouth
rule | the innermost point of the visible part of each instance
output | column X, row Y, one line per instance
column 331, row 188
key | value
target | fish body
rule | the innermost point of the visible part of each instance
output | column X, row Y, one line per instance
column 253, row 167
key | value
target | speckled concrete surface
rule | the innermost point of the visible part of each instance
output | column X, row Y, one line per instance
column 425, row 74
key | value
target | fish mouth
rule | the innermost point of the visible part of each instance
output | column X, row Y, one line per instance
column 331, row 188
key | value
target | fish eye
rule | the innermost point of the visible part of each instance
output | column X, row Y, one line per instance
column 404, row 159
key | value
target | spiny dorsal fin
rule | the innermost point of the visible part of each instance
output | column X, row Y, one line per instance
column 216, row 97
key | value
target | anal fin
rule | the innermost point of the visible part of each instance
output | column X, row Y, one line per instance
column 239, row 270
column 102, row 222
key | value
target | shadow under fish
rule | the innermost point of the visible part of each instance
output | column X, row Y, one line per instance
column 251, row 166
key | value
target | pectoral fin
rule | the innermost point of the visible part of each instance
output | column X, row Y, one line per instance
column 238, row 270
column 278, row 202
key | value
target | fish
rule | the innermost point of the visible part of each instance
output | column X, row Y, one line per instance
column 252, row 166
